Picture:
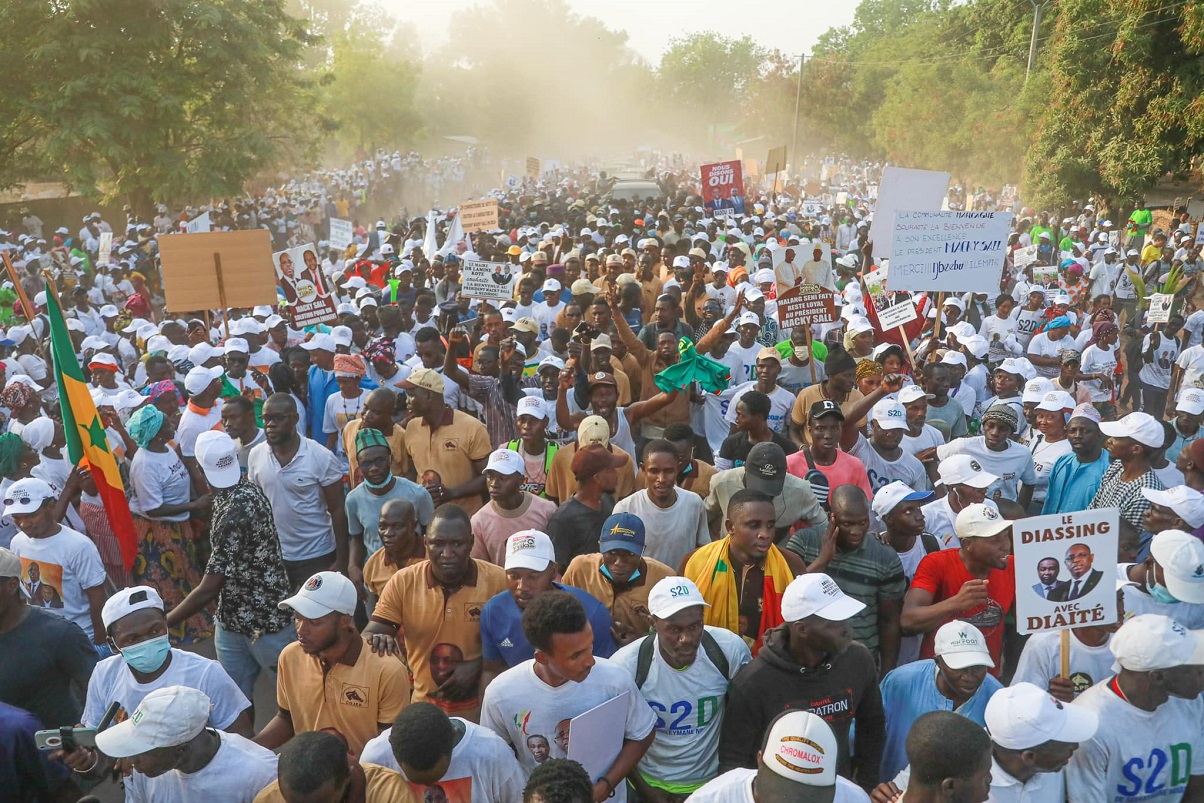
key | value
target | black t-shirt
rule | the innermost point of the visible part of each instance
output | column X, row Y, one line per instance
column 736, row 447
column 575, row 528
column 39, row 659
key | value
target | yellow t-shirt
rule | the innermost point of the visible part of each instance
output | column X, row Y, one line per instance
column 354, row 700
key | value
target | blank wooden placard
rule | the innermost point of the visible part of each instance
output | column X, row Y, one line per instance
column 190, row 276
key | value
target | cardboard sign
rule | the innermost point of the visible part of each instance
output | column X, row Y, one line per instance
column 341, row 233
column 192, row 280
column 807, row 304
column 1045, row 274
column 1023, row 257
column 533, row 167
column 751, row 169
column 903, row 188
column 198, row 224
column 842, row 198
column 513, row 182
column 306, row 291
column 875, row 286
column 901, row 313
column 949, row 251
column 1160, row 308
column 490, row 280
column 105, row 249
column 804, row 264
column 776, row 161
column 723, row 189
column 1066, row 570
column 479, row 215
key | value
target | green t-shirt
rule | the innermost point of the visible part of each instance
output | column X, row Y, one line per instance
column 1139, row 221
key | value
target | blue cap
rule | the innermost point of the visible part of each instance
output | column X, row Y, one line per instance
column 622, row 531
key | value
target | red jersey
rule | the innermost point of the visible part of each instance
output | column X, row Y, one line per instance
column 943, row 574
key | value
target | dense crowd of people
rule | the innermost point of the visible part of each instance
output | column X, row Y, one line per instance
column 623, row 535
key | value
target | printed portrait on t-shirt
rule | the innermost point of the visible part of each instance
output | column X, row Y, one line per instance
column 443, row 660
column 42, row 583
column 562, row 738
column 458, row 790
column 540, row 748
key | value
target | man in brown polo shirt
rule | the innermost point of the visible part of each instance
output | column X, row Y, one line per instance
column 593, row 431
column 448, row 448
column 377, row 414
column 620, row 576
column 436, row 605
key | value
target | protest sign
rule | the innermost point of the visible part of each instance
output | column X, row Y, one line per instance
column 299, row 276
column 479, row 215
column 803, row 264
column 105, row 249
column 723, row 189
column 903, row 188
column 492, row 280
column 1045, row 274
column 533, row 167
column 341, row 233
column 902, row 313
column 1023, row 257
column 808, row 304
column 958, row 251
column 1200, row 234
column 1160, row 308
column 842, row 198
column 875, row 285
column 776, row 161
column 1066, row 570
column 198, row 224
column 216, row 270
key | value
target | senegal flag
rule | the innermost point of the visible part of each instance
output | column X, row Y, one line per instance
column 86, row 441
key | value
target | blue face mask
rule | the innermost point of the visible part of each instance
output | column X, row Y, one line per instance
column 606, row 573
column 147, row 656
column 1159, row 592
column 385, row 484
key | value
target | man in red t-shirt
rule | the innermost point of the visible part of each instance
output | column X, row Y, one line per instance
column 975, row 582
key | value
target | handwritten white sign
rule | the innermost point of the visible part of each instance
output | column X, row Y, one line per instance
column 958, row 251
column 902, row 313
column 341, row 233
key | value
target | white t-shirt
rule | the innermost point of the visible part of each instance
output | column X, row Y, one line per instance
column 1137, row 602
column 673, row 532
column 1191, row 360
column 545, row 316
column 238, row 771
column 519, row 707
column 1013, row 466
column 1005, row 330
column 1136, row 754
column 159, row 478
column 1194, row 326
column 480, row 758
column 748, row 359
column 781, row 401
column 1158, row 372
column 1027, row 322
column 1042, row 346
column 882, row 472
column 735, row 786
column 1041, row 660
column 192, row 424
column 112, row 681
column 689, row 708
column 1044, row 787
column 68, row 565
column 929, row 437
column 1100, row 360
column 1045, row 454
column 1103, row 278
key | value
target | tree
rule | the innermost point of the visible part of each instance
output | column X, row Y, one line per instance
column 706, row 74
column 165, row 100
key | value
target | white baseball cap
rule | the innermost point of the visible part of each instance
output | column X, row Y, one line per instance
column 127, row 601
column 1141, row 427
column 889, row 497
column 1023, row 716
column 747, row 319
column 1190, row 401
column 529, row 549
column 551, row 286
column 236, row 345
column 217, row 454
column 890, row 414
column 602, row 341
column 801, row 750
column 980, row 520
column 26, row 496
column 962, row 645
column 1150, row 641
column 104, row 360
column 1187, row 503
column 506, row 461
column 954, row 358
column 533, row 406
column 341, row 335
column 201, row 353
column 1056, row 401
column 200, row 377
column 166, row 717
column 817, row 595
column 913, row 393
column 1035, row 390
column 321, row 595
column 977, row 346
column 321, row 341
column 962, row 330
column 1181, row 556
column 962, row 469
column 673, row 594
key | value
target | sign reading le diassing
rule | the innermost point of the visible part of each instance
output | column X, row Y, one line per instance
column 493, row 280
column 479, row 215
column 1066, row 570
column 949, row 251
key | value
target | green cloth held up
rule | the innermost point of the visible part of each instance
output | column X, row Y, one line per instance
column 693, row 367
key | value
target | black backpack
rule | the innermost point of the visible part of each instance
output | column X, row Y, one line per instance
column 709, row 646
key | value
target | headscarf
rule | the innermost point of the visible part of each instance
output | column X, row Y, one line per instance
column 349, row 365
column 17, row 396
column 11, row 449
column 145, row 424
column 38, row 433
column 381, row 350
column 367, row 438
column 1101, row 329
column 160, row 389
column 1060, row 322
column 867, row 368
